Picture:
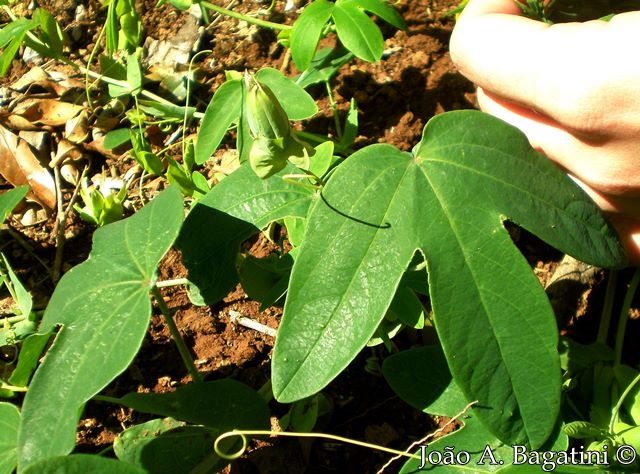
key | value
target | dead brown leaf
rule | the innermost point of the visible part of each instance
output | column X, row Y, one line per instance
column 19, row 165
column 51, row 112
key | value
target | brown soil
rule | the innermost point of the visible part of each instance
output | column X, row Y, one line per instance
column 396, row 98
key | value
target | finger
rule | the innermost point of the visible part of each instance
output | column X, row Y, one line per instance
column 483, row 7
column 548, row 68
column 622, row 212
column 615, row 175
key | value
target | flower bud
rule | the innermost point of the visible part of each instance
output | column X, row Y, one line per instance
column 265, row 115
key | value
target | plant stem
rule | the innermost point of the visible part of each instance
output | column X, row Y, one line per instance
column 174, row 282
column 616, row 409
column 13, row 319
column 177, row 337
column 248, row 19
column 605, row 320
column 13, row 388
column 334, row 108
column 107, row 399
column 624, row 316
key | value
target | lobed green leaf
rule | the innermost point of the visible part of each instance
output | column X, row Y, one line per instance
column 103, row 308
column 449, row 201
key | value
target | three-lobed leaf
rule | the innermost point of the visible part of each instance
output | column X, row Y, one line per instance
column 103, row 308
column 447, row 200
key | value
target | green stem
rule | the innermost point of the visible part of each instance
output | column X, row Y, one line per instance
column 616, row 409
column 605, row 320
column 107, row 399
column 334, row 108
column 624, row 315
column 248, row 19
column 13, row 319
column 13, row 388
column 177, row 337
column 266, row 391
column 174, row 282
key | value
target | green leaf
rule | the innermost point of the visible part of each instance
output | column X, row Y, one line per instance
column 103, row 308
column 433, row 391
column 296, row 102
column 9, row 422
column 222, row 404
column 158, row 109
column 406, row 307
column 10, row 199
column 307, row 30
column 134, row 73
column 358, row 32
column 52, row 35
column 167, row 446
column 222, row 111
column 232, row 211
column 81, row 464
column 381, row 8
column 30, row 352
column 447, row 200
column 11, row 37
column 22, row 296
column 177, row 175
column 325, row 64
column 116, row 137
column 16, row 28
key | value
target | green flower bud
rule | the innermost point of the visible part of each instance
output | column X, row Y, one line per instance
column 265, row 115
column 274, row 140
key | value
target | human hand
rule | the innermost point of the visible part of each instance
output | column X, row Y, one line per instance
column 572, row 88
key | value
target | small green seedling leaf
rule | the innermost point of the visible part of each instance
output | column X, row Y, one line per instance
column 448, row 200
column 30, row 352
column 22, row 297
column 10, row 199
column 81, row 464
column 9, row 423
column 223, row 110
column 102, row 307
column 51, row 34
column 11, row 38
column 117, row 137
column 232, row 211
column 357, row 31
column 307, row 30
column 325, row 64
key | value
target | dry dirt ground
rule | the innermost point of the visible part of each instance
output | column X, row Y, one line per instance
column 396, row 97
